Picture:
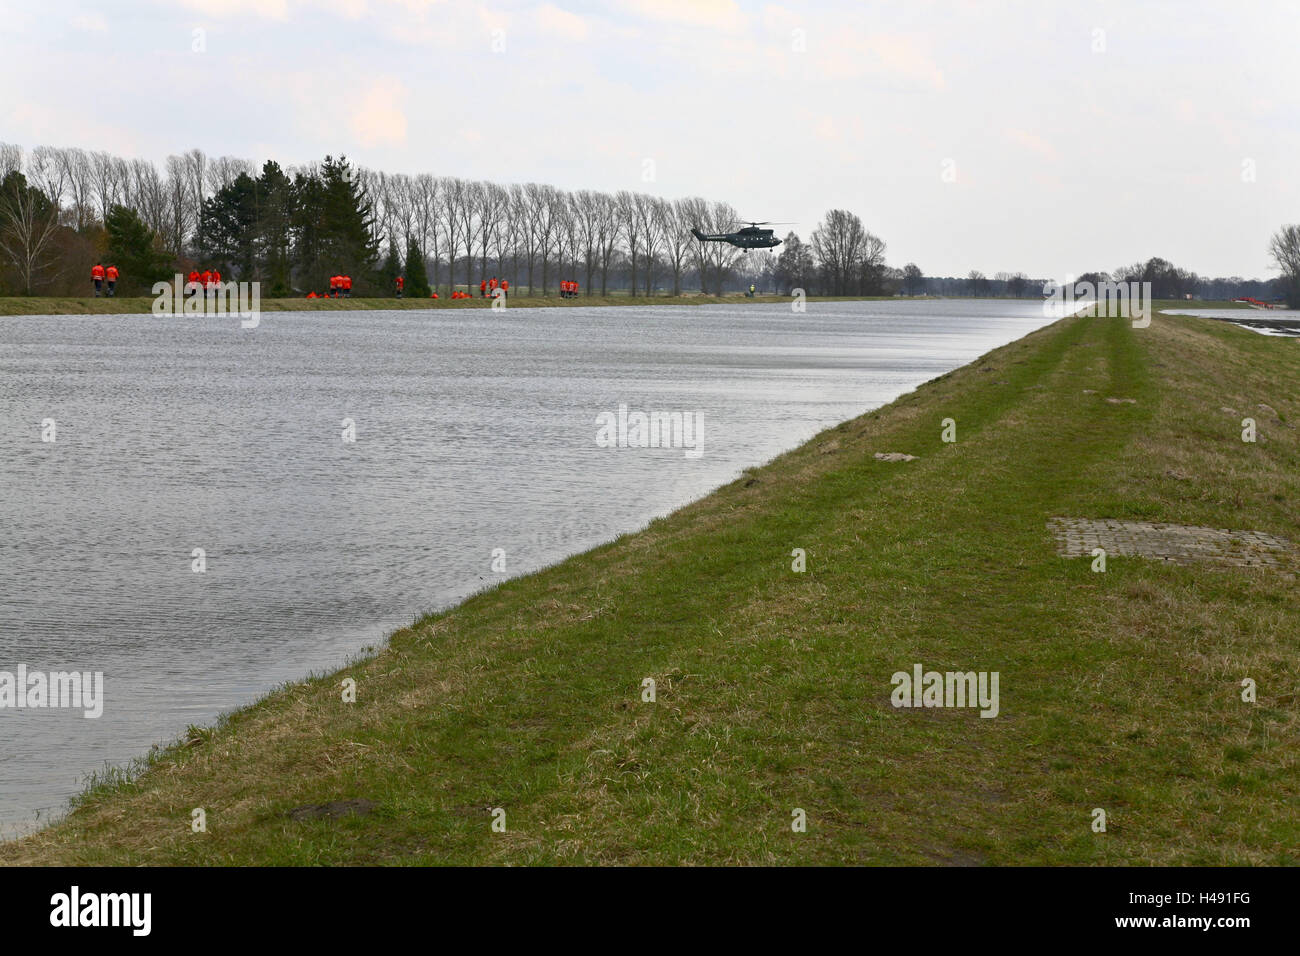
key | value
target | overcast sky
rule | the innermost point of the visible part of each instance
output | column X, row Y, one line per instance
column 1040, row 137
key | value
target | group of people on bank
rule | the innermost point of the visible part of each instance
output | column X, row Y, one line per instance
column 105, row 280
column 102, row 277
column 205, row 281
column 487, row 289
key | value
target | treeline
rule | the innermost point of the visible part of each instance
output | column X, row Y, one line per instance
column 62, row 210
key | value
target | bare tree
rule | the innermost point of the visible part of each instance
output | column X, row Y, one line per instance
column 606, row 236
column 179, row 211
column 649, row 214
column 28, row 221
column 426, row 192
column 500, row 226
column 196, row 165
column 11, row 159
column 1285, row 250
column 677, row 239
column 567, row 230
column 530, row 203
column 76, row 169
column 713, row 258
column 629, row 223
column 490, row 214
column 147, row 195
column 586, row 214
column 223, row 171
column 48, row 173
column 838, row 243
column 543, row 205
column 913, row 280
column 453, row 197
column 470, row 225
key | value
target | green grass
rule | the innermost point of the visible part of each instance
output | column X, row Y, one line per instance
column 1118, row 690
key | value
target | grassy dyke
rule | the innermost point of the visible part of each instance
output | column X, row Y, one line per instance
column 1118, row 690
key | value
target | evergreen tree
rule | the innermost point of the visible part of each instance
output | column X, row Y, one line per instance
column 417, row 277
column 309, row 233
column 333, row 226
column 389, row 271
column 135, row 249
column 228, row 233
column 275, row 229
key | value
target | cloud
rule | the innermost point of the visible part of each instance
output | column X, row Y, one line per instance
column 224, row 9
column 715, row 14
column 90, row 22
column 898, row 57
column 551, row 19
column 1034, row 143
column 377, row 115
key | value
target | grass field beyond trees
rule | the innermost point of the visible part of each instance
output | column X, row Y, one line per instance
column 1118, row 690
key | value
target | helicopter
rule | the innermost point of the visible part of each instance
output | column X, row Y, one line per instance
column 750, row 237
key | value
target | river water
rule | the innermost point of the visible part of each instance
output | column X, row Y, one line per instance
column 474, row 430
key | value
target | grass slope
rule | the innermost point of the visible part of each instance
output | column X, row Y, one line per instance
column 1118, row 690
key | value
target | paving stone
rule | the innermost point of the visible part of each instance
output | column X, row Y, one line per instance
column 1176, row 543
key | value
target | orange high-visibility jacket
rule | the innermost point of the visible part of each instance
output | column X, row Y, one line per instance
column 347, row 283
column 111, row 273
column 97, row 272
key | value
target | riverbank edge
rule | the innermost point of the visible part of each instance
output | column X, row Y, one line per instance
column 143, row 305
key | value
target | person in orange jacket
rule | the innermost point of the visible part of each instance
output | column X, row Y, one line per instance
column 216, row 282
column 334, row 287
column 482, row 289
column 97, row 276
column 347, row 287
column 192, row 282
column 492, row 286
column 400, row 282
column 205, row 277
column 110, row 275
column 505, row 286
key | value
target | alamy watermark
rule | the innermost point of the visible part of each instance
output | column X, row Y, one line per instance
column 113, row 910
column 181, row 298
column 923, row 688
column 35, row 690
column 1099, row 298
column 636, row 429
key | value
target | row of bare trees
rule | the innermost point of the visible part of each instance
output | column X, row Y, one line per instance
column 535, row 234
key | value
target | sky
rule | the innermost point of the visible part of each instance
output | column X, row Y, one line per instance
column 1045, row 137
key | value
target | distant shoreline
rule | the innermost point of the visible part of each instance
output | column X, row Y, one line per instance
column 143, row 305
